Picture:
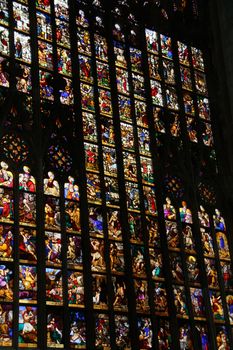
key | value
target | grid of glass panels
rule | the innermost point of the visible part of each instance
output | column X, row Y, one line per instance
column 100, row 248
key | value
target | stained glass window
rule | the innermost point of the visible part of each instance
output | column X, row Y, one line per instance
column 112, row 229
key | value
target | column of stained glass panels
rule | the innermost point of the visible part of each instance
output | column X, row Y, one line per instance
column 101, row 168
column 116, row 249
column 62, row 221
column 166, row 119
column 17, row 30
column 28, row 288
column 160, row 59
column 45, row 49
column 189, row 246
column 159, row 289
column 59, row 224
column 7, row 234
column 68, row 199
column 22, row 46
column 7, row 218
column 138, row 167
column 218, row 270
column 91, row 157
column 132, row 190
column 53, row 269
column 222, row 253
column 195, row 94
column 25, row 288
column 4, row 46
column 75, row 282
column 162, row 81
column 53, row 31
column 187, row 284
column 190, row 100
column 22, row 49
column 74, row 258
column 196, row 106
column 22, row 252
